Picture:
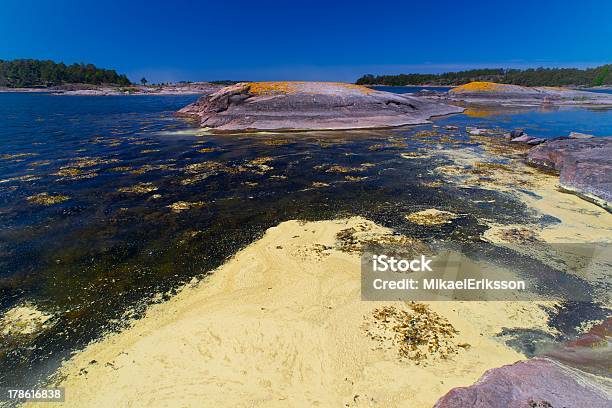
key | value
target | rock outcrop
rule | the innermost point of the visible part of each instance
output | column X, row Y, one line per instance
column 584, row 166
column 309, row 105
column 490, row 93
column 538, row 382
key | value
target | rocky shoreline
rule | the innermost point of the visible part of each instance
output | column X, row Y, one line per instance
column 581, row 161
column 584, row 166
column 180, row 88
column 309, row 106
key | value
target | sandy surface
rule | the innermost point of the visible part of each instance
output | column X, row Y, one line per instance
column 579, row 221
column 282, row 324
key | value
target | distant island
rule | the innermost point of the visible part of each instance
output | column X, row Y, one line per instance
column 27, row 73
column 589, row 77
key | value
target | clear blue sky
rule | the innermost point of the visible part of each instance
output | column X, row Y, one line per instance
column 323, row 40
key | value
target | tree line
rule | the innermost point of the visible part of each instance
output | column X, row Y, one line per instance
column 528, row 77
column 34, row 73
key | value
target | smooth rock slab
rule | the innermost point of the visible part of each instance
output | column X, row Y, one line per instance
column 310, row 105
column 584, row 166
column 537, row 382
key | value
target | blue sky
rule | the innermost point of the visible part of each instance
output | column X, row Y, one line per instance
column 306, row 40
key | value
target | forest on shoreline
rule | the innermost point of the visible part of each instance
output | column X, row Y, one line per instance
column 24, row 73
column 528, row 77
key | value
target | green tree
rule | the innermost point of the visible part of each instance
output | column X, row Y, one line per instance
column 23, row 73
column 528, row 77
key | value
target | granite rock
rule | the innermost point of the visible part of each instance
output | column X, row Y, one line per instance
column 309, row 105
column 491, row 93
column 537, row 382
column 584, row 166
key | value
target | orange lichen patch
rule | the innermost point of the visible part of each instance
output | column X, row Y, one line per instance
column 273, row 88
column 481, row 87
column 554, row 88
column 363, row 89
column 292, row 87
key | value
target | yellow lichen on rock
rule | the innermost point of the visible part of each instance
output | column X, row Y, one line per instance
column 293, row 87
column 273, row 87
column 360, row 88
column 481, row 87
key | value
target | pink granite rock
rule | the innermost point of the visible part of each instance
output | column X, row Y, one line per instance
column 310, row 105
column 532, row 383
column 584, row 166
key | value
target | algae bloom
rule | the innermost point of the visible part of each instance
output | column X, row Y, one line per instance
column 431, row 216
column 47, row 199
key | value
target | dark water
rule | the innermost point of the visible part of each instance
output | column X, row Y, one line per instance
column 104, row 252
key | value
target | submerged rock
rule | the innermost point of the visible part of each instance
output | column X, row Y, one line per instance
column 584, row 166
column 309, row 105
column 532, row 383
